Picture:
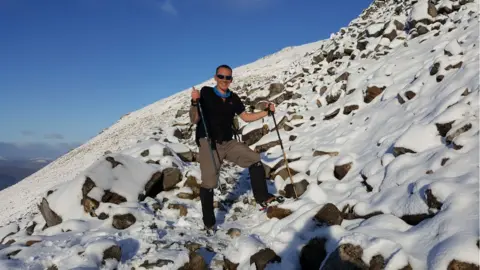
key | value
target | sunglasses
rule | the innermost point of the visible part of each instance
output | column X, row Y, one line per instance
column 223, row 77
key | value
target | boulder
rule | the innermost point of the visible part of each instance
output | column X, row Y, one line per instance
column 264, row 147
column 331, row 115
column 372, row 92
column 348, row 109
column 170, row 178
column 51, row 218
column 275, row 89
column 345, row 257
column 255, row 135
column 321, row 153
column 196, row 262
column 397, row 151
column 264, row 257
column 182, row 208
column 123, row 221
column 329, row 215
column 459, row 265
column 113, row 252
column 432, row 202
column 300, row 187
column 277, row 212
column 444, row 128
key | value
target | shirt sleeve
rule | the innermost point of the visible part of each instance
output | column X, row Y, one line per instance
column 238, row 106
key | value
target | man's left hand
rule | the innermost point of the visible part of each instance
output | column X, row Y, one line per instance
column 271, row 108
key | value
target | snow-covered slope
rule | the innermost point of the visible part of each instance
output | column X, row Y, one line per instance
column 380, row 125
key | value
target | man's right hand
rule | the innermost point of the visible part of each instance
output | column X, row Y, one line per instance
column 195, row 94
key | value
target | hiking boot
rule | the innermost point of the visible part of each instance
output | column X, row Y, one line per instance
column 210, row 231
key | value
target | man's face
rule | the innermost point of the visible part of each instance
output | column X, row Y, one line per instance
column 223, row 78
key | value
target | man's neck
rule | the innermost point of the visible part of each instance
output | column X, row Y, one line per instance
column 221, row 90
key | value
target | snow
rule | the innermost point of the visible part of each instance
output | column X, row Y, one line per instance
column 375, row 28
column 378, row 181
column 420, row 138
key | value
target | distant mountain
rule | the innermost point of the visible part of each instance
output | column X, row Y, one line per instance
column 13, row 171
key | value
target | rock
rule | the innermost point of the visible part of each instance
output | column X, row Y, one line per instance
column 123, row 221
column 322, row 90
column 192, row 246
column 331, row 115
column 196, row 262
column 331, row 71
column 112, row 197
column 400, row 99
column 255, row 135
column 90, row 205
column 444, row 128
column 345, row 257
column 264, row 257
column 444, row 160
column 348, row 213
column 341, row 170
column 154, row 185
column 103, row 216
column 397, row 151
column 158, row 263
column 186, row 196
column 332, row 98
column 457, row 65
column 342, row 77
column 391, row 35
column 440, row 78
column 321, row 153
column 459, row 265
column 300, row 187
column 283, row 173
column 375, row 30
column 329, row 215
column 275, row 89
column 432, row 10
column 171, row 177
column 229, row 265
column 182, row 208
column 29, row 230
column 292, row 138
column 113, row 161
column 377, row 263
column 362, row 45
column 432, row 202
column 434, row 69
column 400, row 26
column 277, row 212
column 372, row 92
column 313, row 253
column 113, row 252
column 318, row 58
column 348, row 109
column 50, row 217
column 465, row 128
column 234, row 232
column 265, row 147
column 410, row 95
column 193, row 185
column 415, row 218
column 181, row 112
column 145, row 153
column 422, row 29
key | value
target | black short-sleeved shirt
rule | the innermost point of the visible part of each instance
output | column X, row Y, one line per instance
column 218, row 114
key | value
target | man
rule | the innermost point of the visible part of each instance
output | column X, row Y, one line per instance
column 219, row 106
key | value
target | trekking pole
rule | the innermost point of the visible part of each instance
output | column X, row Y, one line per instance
column 283, row 150
column 209, row 142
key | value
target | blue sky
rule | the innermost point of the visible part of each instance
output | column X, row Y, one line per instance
column 70, row 68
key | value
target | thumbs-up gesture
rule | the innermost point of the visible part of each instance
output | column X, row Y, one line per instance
column 195, row 94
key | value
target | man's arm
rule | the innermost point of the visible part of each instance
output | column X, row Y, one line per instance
column 193, row 113
column 250, row 117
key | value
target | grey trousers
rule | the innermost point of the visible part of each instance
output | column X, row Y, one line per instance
column 232, row 151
